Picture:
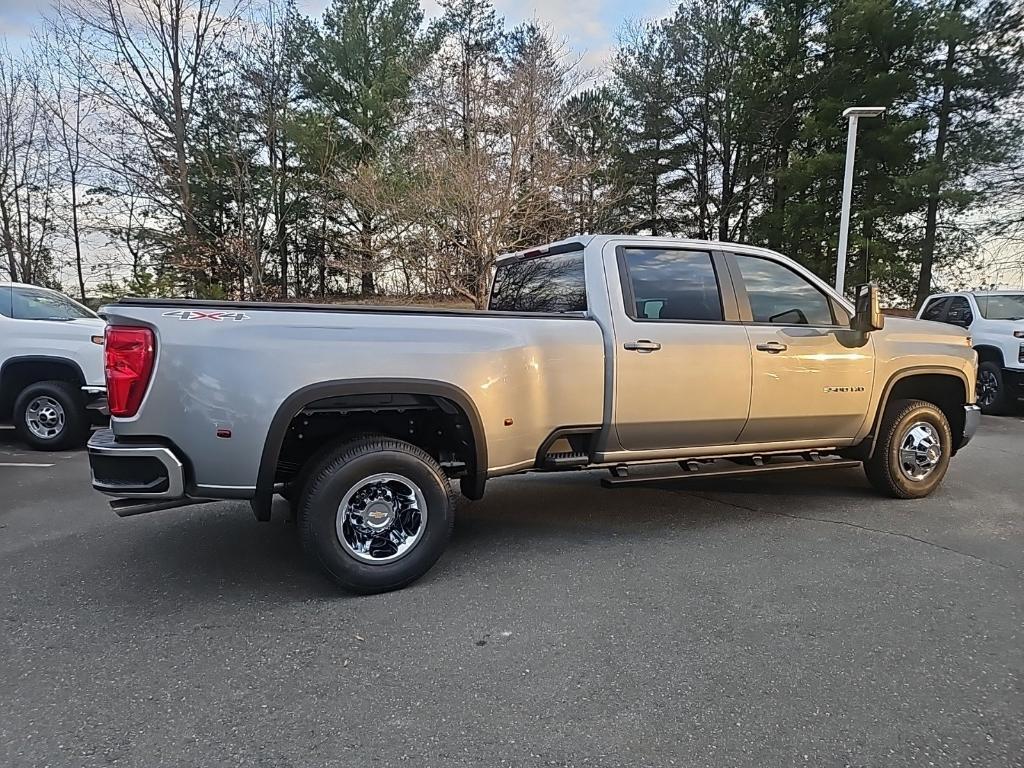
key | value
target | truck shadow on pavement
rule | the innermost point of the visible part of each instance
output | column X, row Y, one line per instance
column 218, row 554
column 572, row 507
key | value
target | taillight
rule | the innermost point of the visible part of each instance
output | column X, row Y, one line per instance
column 128, row 362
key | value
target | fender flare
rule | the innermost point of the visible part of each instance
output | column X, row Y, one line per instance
column 936, row 370
column 43, row 359
column 1001, row 358
column 472, row 486
column 9, row 398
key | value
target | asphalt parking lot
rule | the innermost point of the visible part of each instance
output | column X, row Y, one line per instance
column 798, row 620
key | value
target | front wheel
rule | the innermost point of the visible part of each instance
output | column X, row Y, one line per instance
column 51, row 416
column 913, row 450
column 376, row 514
column 991, row 392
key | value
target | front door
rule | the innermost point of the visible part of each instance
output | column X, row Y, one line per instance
column 812, row 376
column 682, row 359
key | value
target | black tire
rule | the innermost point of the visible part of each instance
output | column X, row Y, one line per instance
column 997, row 403
column 342, row 470
column 885, row 469
column 74, row 430
column 292, row 492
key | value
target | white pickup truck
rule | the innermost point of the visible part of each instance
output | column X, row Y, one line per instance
column 51, row 366
column 995, row 322
column 599, row 351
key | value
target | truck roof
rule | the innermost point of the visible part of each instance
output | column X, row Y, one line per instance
column 582, row 241
column 9, row 284
column 999, row 292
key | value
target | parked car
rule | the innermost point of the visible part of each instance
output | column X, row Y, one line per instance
column 598, row 351
column 51, row 366
column 995, row 321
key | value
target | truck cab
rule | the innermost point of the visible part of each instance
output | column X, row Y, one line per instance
column 995, row 322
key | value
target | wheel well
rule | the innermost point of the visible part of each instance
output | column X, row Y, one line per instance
column 988, row 354
column 945, row 391
column 434, row 423
column 19, row 373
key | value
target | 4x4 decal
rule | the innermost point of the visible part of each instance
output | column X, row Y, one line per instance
column 216, row 315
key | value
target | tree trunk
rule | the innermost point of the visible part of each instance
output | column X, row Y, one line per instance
column 652, row 202
column 322, row 265
column 367, row 287
column 726, row 197
column 183, row 184
column 5, row 215
column 76, row 234
column 281, row 226
column 703, row 185
column 931, row 219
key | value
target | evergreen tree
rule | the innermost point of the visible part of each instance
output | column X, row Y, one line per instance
column 360, row 70
column 650, row 158
column 588, row 132
column 975, row 70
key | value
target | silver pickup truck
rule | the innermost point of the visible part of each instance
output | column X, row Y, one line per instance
column 599, row 351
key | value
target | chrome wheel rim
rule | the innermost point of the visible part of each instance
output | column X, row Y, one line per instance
column 382, row 518
column 920, row 451
column 988, row 387
column 45, row 417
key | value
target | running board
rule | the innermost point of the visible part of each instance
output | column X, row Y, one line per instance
column 130, row 507
column 694, row 469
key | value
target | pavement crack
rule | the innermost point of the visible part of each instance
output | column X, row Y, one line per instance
column 848, row 524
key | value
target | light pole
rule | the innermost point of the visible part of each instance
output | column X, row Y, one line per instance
column 852, row 115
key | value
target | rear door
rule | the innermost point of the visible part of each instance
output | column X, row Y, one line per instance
column 812, row 376
column 682, row 359
column 959, row 312
column 935, row 309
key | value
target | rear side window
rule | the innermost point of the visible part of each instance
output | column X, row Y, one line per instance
column 780, row 296
column 934, row 310
column 667, row 284
column 5, row 301
column 554, row 283
column 41, row 304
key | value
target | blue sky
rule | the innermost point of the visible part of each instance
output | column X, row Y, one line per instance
column 590, row 26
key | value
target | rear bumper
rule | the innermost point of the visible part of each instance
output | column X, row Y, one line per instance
column 972, row 418
column 134, row 470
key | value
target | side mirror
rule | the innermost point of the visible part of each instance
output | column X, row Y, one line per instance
column 869, row 315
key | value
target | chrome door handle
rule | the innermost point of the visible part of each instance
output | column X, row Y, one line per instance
column 642, row 345
column 773, row 347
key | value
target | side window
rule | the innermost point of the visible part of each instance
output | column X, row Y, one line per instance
column 5, row 301
column 959, row 312
column 41, row 304
column 666, row 284
column 779, row 295
column 935, row 310
column 554, row 283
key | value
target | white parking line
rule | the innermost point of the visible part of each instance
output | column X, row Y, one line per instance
column 22, row 464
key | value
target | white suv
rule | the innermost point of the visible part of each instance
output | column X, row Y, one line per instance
column 51, row 366
column 995, row 320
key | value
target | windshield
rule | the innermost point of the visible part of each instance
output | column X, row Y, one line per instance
column 1002, row 307
column 42, row 304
